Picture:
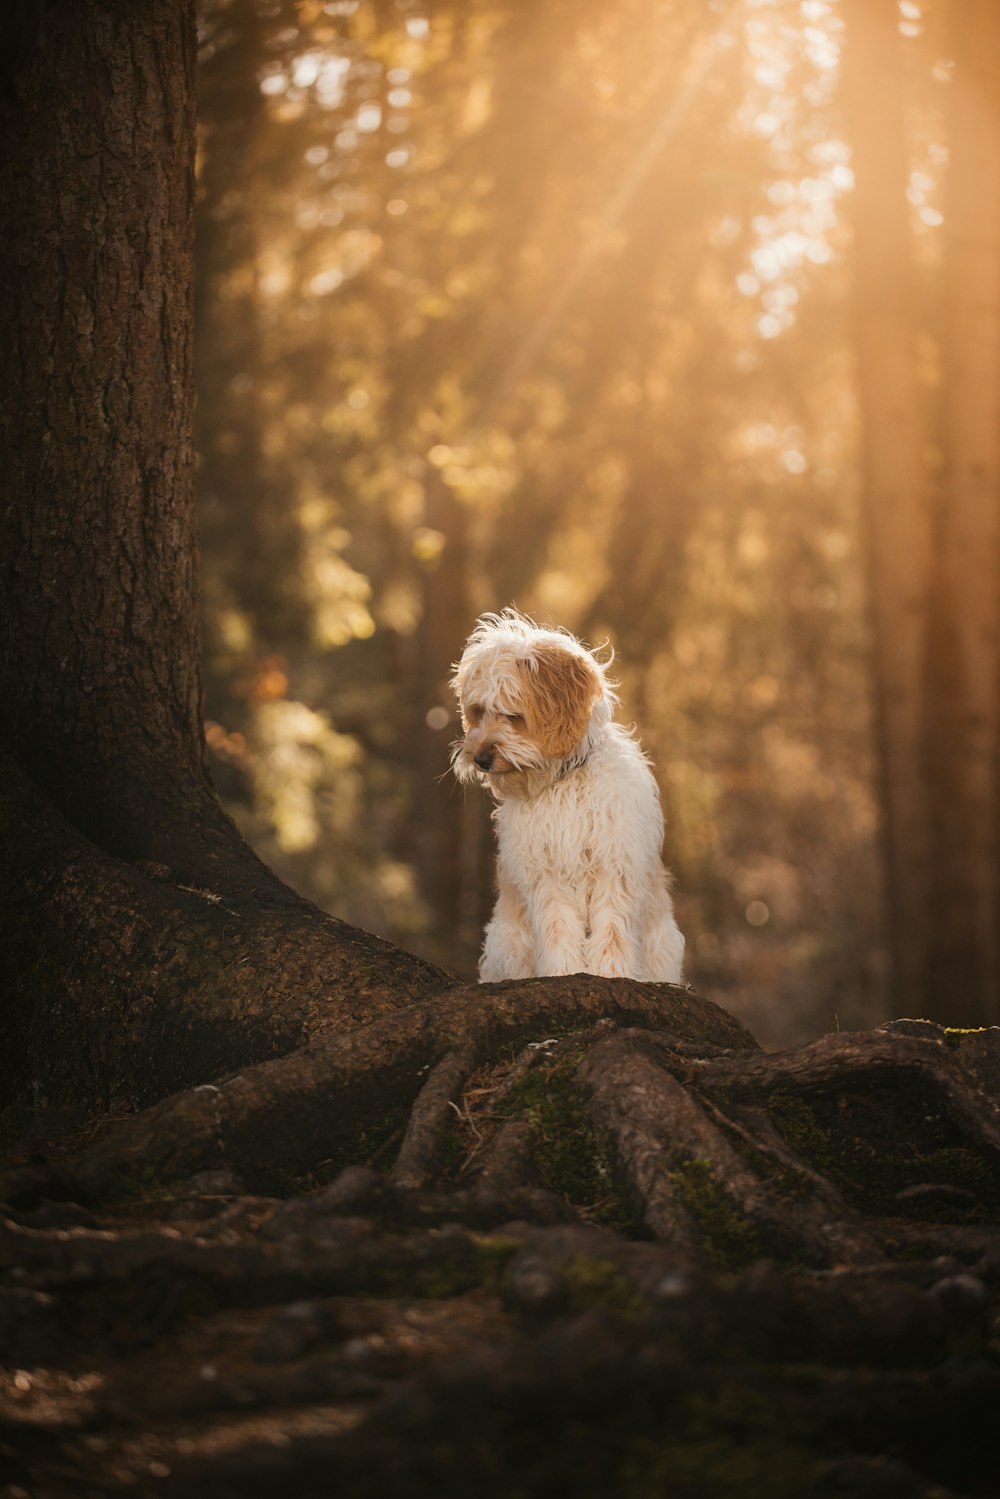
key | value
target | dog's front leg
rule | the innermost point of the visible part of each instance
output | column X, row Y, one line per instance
column 613, row 946
column 508, row 943
column 558, row 924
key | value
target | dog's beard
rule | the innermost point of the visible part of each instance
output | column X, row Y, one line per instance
column 529, row 772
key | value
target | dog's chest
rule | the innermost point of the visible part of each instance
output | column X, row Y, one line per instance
column 563, row 832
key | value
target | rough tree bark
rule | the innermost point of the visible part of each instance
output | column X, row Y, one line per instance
column 115, row 846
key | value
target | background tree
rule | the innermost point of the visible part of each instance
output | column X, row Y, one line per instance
column 929, row 357
column 964, row 651
column 897, row 485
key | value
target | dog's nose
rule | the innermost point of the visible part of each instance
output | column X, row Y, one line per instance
column 484, row 759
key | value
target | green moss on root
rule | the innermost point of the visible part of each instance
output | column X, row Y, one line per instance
column 592, row 1282
column 874, row 1143
column 956, row 1035
column 730, row 1241
column 571, row 1158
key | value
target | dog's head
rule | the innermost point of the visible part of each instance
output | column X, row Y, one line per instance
column 529, row 699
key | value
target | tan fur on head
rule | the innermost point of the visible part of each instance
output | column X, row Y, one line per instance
column 530, row 698
column 560, row 689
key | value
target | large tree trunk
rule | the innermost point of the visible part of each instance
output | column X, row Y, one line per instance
column 134, row 909
column 100, row 673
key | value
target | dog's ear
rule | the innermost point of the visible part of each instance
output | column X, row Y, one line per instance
column 561, row 689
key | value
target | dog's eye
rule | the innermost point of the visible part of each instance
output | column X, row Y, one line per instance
column 514, row 717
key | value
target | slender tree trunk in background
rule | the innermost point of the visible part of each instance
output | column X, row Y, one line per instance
column 448, row 819
column 893, row 468
column 963, row 708
column 250, row 526
column 934, row 545
column 142, row 944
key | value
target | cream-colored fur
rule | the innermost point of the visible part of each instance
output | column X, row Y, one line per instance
column 581, row 887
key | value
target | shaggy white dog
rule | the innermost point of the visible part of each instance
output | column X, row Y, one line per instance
column 581, row 888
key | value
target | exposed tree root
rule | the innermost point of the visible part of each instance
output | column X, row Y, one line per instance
column 337, row 1099
column 599, row 1251
column 418, row 1153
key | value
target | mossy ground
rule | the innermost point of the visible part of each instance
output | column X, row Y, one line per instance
column 570, row 1156
column 874, row 1143
column 372, row 1144
column 956, row 1035
column 730, row 1242
column 728, row 1443
column 591, row 1282
column 14, row 1120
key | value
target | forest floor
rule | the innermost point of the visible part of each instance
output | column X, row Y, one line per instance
column 807, row 1303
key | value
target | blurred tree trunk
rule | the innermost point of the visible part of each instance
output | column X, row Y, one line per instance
column 249, row 524
column 894, row 477
column 934, row 546
column 143, row 944
column 963, row 707
column 449, row 822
